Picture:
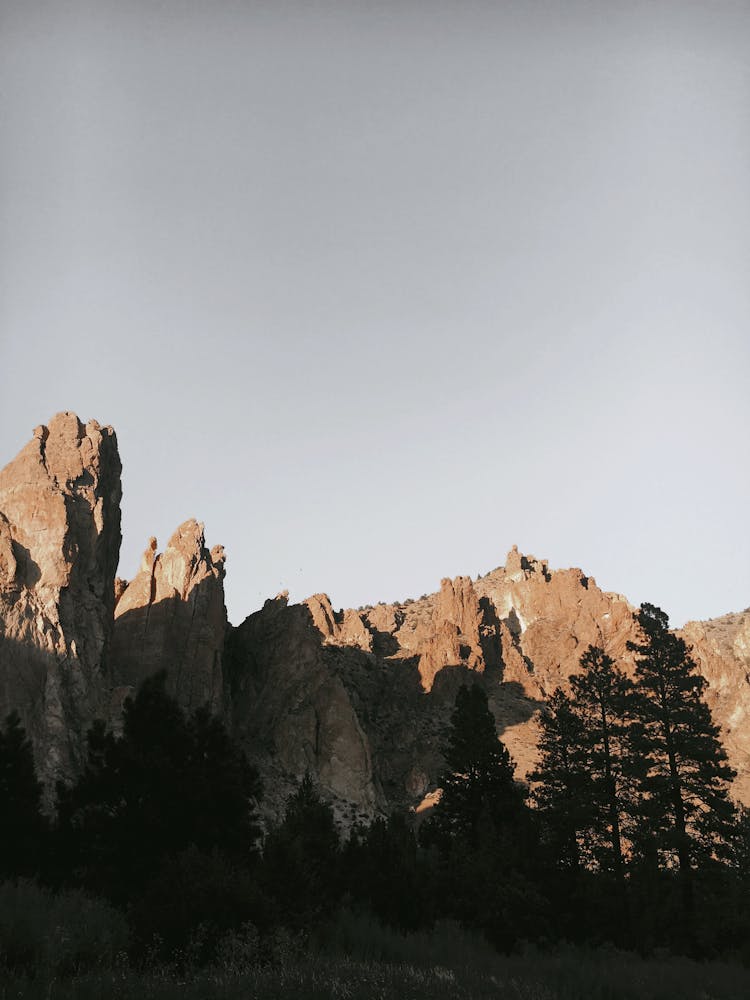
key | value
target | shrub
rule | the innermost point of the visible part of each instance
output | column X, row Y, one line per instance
column 57, row 935
column 196, row 898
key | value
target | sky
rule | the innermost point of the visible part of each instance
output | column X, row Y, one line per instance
column 377, row 290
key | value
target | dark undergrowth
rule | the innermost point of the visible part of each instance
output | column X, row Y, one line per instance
column 72, row 948
column 560, row 975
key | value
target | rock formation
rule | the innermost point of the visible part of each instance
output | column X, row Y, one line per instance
column 361, row 698
column 172, row 617
column 721, row 648
column 291, row 707
column 59, row 546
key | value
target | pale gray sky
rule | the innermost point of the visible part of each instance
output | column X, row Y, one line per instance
column 378, row 289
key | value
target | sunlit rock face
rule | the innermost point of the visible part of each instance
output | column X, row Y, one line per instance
column 363, row 698
column 721, row 648
column 59, row 547
column 172, row 617
column 360, row 698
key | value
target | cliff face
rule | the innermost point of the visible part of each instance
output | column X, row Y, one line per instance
column 172, row 617
column 59, row 546
column 362, row 698
column 721, row 648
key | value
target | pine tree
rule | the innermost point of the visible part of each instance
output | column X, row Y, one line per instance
column 23, row 826
column 601, row 697
column 301, row 859
column 687, row 811
column 386, row 870
column 484, row 834
column 478, row 788
column 167, row 783
column 562, row 792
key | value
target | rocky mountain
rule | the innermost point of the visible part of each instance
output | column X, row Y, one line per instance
column 360, row 698
column 721, row 648
column 59, row 547
column 171, row 617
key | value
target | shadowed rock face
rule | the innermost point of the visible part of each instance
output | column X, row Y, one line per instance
column 291, row 707
column 59, row 546
column 172, row 617
column 362, row 698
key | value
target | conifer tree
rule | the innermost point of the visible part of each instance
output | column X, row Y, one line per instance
column 601, row 694
column 301, row 859
column 386, row 870
column 167, row 783
column 484, row 834
column 562, row 781
column 22, row 826
column 478, row 788
column 687, row 813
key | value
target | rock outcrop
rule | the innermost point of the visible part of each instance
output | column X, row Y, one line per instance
column 59, row 547
column 172, row 617
column 721, row 648
column 362, row 698
column 291, row 707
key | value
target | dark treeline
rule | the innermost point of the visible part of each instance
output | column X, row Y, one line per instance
column 628, row 835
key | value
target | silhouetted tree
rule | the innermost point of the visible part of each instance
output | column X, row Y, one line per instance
column 483, row 831
column 168, row 783
column 22, row 826
column 301, row 860
column 687, row 816
column 562, row 792
column 601, row 699
column 740, row 844
column 478, row 787
column 386, row 870
column 191, row 902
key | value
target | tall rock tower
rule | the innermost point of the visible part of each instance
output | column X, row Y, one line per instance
column 59, row 547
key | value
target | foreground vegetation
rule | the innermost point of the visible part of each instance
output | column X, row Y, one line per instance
column 356, row 957
column 154, row 878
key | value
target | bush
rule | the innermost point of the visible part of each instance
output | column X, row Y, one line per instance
column 359, row 936
column 192, row 903
column 56, row 935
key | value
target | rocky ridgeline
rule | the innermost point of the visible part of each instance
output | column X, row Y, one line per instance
column 360, row 698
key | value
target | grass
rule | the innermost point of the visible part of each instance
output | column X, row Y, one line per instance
column 565, row 974
column 69, row 947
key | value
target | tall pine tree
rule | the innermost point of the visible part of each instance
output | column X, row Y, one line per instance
column 167, row 783
column 601, row 694
column 22, row 827
column 687, row 813
column 562, row 782
column 478, row 788
column 484, row 833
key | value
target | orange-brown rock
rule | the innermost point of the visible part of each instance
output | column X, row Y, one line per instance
column 59, row 546
column 392, row 672
column 360, row 698
column 172, row 617
column 343, row 628
column 721, row 648
column 291, row 706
